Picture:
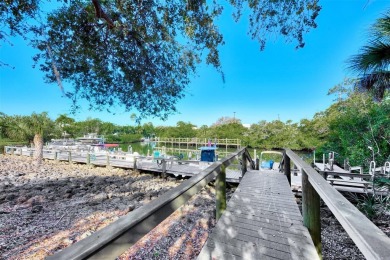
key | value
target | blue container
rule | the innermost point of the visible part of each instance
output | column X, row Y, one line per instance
column 207, row 154
column 267, row 164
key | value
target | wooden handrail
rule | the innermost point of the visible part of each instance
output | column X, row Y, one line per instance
column 371, row 241
column 117, row 237
column 249, row 158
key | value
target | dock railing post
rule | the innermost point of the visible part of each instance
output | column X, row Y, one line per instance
column 164, row 168
column 56, row 155
column 108, row 160
column 287, row 167
column 88, row 158
column 70, row 157
column 220, row 190
column 135, row 163
column 311, row 212
column 243, row 166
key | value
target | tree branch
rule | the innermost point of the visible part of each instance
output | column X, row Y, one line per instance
column 56, row 73
column 101, row 14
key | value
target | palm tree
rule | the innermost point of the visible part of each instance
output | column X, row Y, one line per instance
column 32, row 128
column 39, row 124
column 372, row 63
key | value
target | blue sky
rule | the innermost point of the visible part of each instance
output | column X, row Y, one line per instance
column 279, row 82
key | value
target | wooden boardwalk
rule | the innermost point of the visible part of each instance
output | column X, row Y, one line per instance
column 262, row 221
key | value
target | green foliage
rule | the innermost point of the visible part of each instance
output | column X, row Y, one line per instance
column 203, row 132
column 357, row 122
column 291, row 19
column 372, row 62
column 181, row 130
column 92, row 42
column 373, row 206
column 278, row 135
column 14, row 15
column 123, row 138
column 23, row 128
column 225, row 127
column 230, row 130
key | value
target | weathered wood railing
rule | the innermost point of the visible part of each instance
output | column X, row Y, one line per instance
column 370, row 240
column 117, row 237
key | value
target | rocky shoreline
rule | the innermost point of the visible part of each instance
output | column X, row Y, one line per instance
column 45, row 209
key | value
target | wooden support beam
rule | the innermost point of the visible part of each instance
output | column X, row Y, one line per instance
column 220, row 192
column 311, row 212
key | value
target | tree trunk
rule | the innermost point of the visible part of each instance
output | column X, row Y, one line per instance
column 38, row 153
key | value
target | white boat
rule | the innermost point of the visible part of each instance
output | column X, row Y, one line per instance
column 90, row 142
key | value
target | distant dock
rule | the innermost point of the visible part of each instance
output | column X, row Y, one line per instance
column 161, row 165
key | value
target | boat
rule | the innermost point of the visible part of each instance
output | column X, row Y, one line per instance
column 91, row 141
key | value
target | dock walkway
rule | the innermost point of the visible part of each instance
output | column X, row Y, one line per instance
column 262, row 221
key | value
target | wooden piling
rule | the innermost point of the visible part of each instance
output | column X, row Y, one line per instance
column 88, row 158
column 220, row 190
column 135, row 163
column 164, row 168
column 108, row 160
column 287, row 167
column 311, row 212
column 243, row 166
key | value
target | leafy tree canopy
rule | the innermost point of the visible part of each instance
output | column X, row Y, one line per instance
column 141, row 54
column 226, row 120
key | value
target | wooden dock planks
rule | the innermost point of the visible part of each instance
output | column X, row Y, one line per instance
column 262, row 221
